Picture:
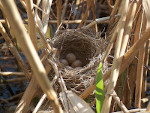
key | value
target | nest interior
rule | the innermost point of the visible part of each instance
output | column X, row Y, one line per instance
column 77, row 42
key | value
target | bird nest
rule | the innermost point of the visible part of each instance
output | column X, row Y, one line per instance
column 83, row 44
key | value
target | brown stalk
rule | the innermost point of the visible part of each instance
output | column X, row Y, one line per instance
column 128, row 28
column 58, row 3
column 146, row 61
column 132, row 70
column 139, row 77
column 89, row 3
column 146, row 6
column 94, row 14
column 10, row 10
column 117, row 60
column 88, row 91
column 31, row 22
column 113, row 13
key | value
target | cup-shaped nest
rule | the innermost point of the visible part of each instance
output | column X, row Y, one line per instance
column 83, row 46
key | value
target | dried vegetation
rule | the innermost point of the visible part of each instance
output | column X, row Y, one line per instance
column 64, row 41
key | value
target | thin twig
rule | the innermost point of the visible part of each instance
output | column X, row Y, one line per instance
column 64, row 10
column 39, row 103
column 119, row 102
column 12, row 74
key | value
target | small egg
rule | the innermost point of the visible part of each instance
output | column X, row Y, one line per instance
column 76, row 63
column 70, row 58
column 64, row 62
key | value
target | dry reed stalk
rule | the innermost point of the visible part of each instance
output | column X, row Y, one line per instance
column 134, row 111
column 130, row 54
column 46, row 6
column 146, row 6
column 28, row 96
column 139, row 78
column 128, row 27
column 58, row 3
column 88, row 91
column 146, row 61
column 117, row 60
column 89, row 3
column 37, row 18
column 132, row 70
column 14, row 80
column 64, row 9
column 33, row 85
column 94, row 13
column 31, row 22
column 128, row 89
column 113, row 13
column 99, row 20
column 72, row 21
column 10, row 10
column 119, row 102
column 39, row 103
column 128, row 57
column 12, row 74
column 15, row 52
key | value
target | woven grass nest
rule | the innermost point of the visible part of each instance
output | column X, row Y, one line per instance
column 83, row 43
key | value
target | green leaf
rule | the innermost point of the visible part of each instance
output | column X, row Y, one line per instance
column 99, row 92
